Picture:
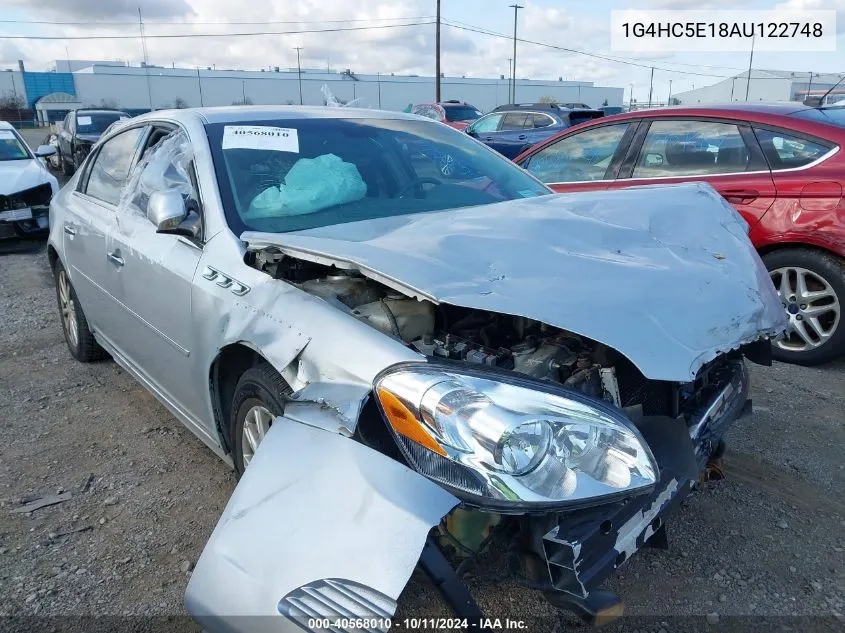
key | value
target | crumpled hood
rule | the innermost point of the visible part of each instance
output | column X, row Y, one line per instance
column 665, row 275
column 19, row 175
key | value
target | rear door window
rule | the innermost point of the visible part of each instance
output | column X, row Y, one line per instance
column 489, row 123
column 517, row 121
column 110, row 168
column 692, row 148
column 543, row 120
column 787, row 151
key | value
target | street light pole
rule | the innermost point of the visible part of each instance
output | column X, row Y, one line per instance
column 510, row 73
column 437, row 56
column 199, row 83
column 650, row 86
column 669, row 99
column 516, row 8
column 733, row 81
column 299, row 72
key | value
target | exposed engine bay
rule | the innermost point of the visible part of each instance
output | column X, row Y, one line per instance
column 503, row 341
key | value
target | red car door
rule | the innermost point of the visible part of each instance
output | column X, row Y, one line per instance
column 724, row 154
column 585, row 160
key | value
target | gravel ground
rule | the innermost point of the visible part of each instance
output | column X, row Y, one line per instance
column 762, row 548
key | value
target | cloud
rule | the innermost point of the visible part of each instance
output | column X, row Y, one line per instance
column 104, row 9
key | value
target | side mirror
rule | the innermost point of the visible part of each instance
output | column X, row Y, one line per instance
column 166, row 210
column 470, row 131
column 44, row 151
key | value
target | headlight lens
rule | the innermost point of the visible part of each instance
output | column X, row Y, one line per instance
column 500, row 443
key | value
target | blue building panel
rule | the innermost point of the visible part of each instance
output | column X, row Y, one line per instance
column 38, row 85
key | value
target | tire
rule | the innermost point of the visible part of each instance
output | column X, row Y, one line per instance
column 67, row 168
column 80, row 341
column 824, row 275
column 259, row 387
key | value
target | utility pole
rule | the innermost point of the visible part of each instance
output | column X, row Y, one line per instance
column 299, row 72
column 243, row 92
column 650, row 86
column 669, row 99
column 516, row 8
column 750, row 60
column 146, row 60
column 810, row 85
column 510, row 73
column 199, row 82
column 631, row 98
column 437, row 56
column 733, row 82
column 378, row 80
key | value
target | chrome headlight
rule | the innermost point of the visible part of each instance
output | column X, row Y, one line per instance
column 505, row 443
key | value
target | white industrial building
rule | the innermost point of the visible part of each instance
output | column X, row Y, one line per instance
column 765, row 85
column 80, row 83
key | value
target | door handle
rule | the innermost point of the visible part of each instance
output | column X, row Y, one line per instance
column 522, row 137
column 740, row 196
column 115, row 258
column 488, row 138
column 70, row 230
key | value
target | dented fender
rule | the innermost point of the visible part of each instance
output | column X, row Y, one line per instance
column 316, row 514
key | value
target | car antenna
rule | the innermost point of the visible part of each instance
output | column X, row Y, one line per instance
column 817, row 104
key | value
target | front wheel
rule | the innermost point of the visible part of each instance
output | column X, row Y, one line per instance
column 811, row 287
column 260, row 397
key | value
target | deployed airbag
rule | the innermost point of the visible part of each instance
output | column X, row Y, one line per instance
column 312, row 184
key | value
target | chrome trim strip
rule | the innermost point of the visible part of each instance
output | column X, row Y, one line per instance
column 818, row 161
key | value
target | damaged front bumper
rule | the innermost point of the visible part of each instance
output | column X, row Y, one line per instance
column 581, row 549
column 25, row 213
column 322, row 529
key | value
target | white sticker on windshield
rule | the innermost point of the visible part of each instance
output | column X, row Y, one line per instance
column 83, row 120
column 7, row 135
column 123, row 118
column 276, row 139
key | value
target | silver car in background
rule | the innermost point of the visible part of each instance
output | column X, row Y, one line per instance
column 406, row 370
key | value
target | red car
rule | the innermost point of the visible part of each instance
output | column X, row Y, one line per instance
column 456, row 114
column 780, row 165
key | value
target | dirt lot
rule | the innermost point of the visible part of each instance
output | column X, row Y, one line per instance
column 764, row 547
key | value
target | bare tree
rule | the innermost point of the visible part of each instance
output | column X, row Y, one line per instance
column 11, row 101
column 179, row 103
column 604, row 103
column 548, row 99
column 244, row 101
column 109, row 103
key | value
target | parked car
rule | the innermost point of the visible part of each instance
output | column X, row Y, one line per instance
column 780, row 165
column 392, row 361
column 453, row 113
column 611, row 110
column 25, row 185
column 79, row 131
column 512, row 129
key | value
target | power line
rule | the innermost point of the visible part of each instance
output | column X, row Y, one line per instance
column 187, row 35
column 222, row 22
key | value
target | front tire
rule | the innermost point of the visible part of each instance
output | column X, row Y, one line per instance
column 260, row 396
column 78, row 336
column 811, row 286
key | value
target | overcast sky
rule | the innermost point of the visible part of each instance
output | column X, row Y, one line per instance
column 582, row 25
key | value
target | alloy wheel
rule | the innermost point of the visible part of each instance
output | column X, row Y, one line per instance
column 68, row 309
column 256, row 425
column 811, row 305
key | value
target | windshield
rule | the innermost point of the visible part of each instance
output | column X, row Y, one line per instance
column 461, row 113
column 96, row 122
column 291, row 175
column 12, row 147
column 834, row 115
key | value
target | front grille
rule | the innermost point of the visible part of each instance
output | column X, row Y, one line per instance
column 349, row 604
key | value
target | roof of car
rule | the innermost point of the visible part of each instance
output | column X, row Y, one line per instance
column 100, row 111
column 234, row 114
column 5, row 125
column 780, row 107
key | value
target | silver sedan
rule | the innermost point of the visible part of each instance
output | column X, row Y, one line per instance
column 404, row 368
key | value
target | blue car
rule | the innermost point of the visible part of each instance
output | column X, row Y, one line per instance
column 511, row 129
